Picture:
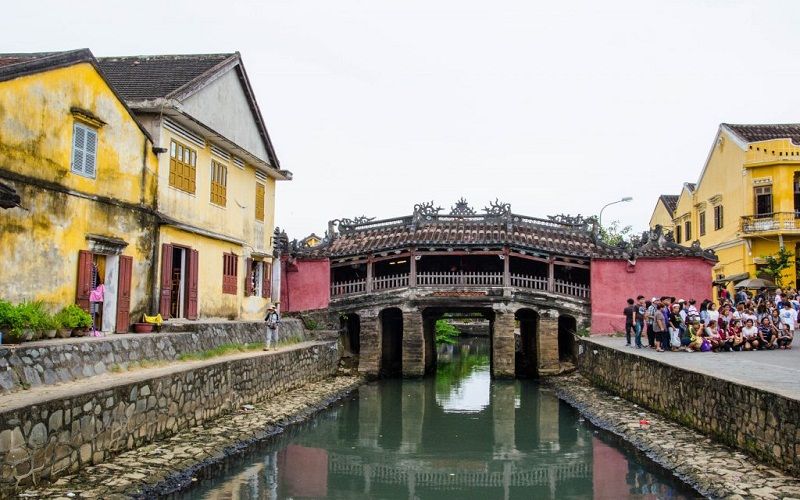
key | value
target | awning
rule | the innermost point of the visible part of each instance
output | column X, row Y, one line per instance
column 727, row 279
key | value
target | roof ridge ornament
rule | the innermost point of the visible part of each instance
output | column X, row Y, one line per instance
column 497, row 208
column 426, row 210
column 462, row 208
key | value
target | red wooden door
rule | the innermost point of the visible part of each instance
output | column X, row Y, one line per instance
column 166, row 280
column 84, row 279
column 124, row 294
column 191, row 307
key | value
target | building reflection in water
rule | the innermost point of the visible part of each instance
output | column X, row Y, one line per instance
column 444, row 438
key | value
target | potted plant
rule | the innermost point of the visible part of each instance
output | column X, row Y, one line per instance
column 50, row 325
column 63, row 324
column 76, row 319
column 31, row 320
column 6, row 310
column 11, row 323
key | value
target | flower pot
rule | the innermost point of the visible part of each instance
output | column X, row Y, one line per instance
column 79, row 332
column 8, row 338
column 63, row 333
column 143, row 327
column 50, row 334
column 27, row 334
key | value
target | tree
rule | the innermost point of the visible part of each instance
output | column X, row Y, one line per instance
column 776, row 264
column 614, row 235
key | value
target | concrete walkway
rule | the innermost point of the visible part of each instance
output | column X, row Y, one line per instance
column 775, row 371
column 42, row 394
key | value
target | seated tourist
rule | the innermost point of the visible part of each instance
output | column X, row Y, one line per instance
column 725, row 338
column 767, row 334
column 712, row 335
column 785, row 337
column 750, row 334
column 735, row 334
column 692, row 340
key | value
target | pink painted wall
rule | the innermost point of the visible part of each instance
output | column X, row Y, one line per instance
column 613, row 281
column 305, row 284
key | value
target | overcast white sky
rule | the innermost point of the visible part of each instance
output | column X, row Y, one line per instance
column 554, row 107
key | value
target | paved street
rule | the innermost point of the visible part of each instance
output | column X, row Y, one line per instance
column 775, row 371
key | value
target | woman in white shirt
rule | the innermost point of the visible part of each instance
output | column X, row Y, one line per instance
column 750, row 334
column 713, row 314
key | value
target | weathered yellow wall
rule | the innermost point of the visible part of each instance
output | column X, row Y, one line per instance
column 212, row 303
column 728, row 180
column 40, row 246
column 237, row 218
column 37, row 126
column 661, row 216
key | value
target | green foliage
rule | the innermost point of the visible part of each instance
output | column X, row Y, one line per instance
column 614, row 235
column 445, row 332
column 583, row 332
column 220, row 350
column 6, row 313
column 310, row 323
column 31, row 315
column 73, row 317
column 776, row 264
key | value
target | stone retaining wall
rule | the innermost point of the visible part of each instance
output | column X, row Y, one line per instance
column 56, row 361
column 44, row 441
column 761, row 423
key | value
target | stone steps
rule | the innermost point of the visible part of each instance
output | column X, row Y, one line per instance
column 58, row 361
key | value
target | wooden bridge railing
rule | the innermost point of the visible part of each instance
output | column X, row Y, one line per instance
column 460, row 279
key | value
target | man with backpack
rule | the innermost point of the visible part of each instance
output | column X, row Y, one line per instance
column 273, row 320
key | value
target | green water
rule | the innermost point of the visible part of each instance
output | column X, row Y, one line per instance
column 457, row 435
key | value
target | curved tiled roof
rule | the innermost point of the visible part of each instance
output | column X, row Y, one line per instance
column 471, row 232
column 670, row 202
column 765, row 132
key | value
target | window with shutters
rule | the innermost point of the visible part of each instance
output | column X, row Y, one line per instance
column 260, row 201
column 230, row 264
column 256, row 277
column 678, row 233
column 219, row 183
column 702, row 223
column 687, row 228
column 182, row 167
column 718, row 217
column 84, row 150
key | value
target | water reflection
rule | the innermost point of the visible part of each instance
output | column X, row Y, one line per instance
column 467, row 437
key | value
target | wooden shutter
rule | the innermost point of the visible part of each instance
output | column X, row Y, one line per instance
column 90, row 154
column 124, row 294
column 166, row 281
column 260, row 191
column 78, row 144
column 266, row 280
column 191, row 307
column 84, row 279
column 248, row 277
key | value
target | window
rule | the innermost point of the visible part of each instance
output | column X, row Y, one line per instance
column 763, row 201
column 717, row 217
column 688, row 230
column 702, row 223
column 84, row 150
column 797, row 194
column 219, row 183
column 182, row 167
column 259, row 201
column 678, row 233
column 258, row 278
column 230, row 264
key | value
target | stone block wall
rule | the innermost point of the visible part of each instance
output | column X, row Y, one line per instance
column 413, row 345
column 762, row 423
column 44, row 441
column 503, row 345
column 35, row 364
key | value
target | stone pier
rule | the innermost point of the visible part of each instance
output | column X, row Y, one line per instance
column 503, row 345
column 413, row 344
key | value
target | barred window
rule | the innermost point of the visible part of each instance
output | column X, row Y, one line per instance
column 182, row 167
column 219, row 183
column 230, row 265
column 260, row 201
column 84, row 150
column 702, row 223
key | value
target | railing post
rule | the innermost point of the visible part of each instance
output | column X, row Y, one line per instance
column 551, row 275
column 506, row 268
column 412, row 262
column 369, row 274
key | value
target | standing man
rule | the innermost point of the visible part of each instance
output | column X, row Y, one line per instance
column 649, row 317
column 629, row 313
column 273, row 320
column 639, row 320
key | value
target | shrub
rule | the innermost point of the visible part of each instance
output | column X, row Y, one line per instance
column 6, row 312
column 32, row 315
column 73, row 317
column 446, row 333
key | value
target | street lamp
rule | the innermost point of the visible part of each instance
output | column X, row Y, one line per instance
column 600, row 218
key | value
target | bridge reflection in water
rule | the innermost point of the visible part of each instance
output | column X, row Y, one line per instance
column 459, row 435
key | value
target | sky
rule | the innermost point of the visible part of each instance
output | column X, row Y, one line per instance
column 553, row 107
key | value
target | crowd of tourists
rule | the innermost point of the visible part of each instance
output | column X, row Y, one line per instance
column 742, row 322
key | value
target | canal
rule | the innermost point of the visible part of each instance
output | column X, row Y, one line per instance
column 457, row 435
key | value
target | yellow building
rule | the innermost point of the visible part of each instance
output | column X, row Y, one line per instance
column 85, row 173
column 664, row 211
column 311, row 240
column 746, row 203
column 216, row 181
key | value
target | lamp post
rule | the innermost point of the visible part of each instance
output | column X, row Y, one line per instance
column 600, row 217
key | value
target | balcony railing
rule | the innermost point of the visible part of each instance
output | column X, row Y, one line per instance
column 777, row 221
column 461, row 279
